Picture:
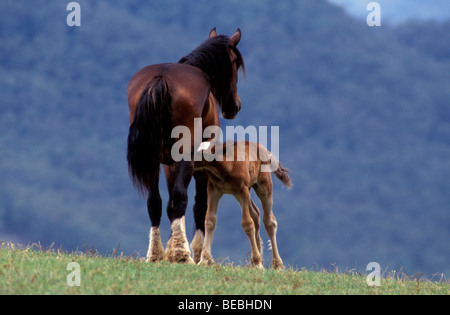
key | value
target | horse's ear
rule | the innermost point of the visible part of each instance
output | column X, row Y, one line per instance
column 234, row 40
column 213, row 33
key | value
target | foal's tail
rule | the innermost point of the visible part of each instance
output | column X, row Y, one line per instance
column 282, row 174
column 149, row 134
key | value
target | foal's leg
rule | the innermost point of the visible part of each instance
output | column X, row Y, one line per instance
column 255, row 214
column 249, row 226
column 154, row 204
column 214, row 196
column 200, row 208
column 264, row 192
column 178, row 246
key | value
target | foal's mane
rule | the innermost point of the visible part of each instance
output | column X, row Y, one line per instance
column 213, row 58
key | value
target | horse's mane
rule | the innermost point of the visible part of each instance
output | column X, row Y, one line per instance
column 213, row 58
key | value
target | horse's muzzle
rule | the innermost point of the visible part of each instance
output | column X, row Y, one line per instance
column 233, row 111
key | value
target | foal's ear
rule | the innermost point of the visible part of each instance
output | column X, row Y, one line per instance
column 213, row 33
column 234, row 40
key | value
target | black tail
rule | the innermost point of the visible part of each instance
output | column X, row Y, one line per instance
column 150, row 134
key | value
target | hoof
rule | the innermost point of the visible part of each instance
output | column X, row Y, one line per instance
column 277, row 265
column 258, row 266
column 155, row 258
column 197, row 245
column 178, row 246
column 156, row 249
column 207, row 261
column 179, row 256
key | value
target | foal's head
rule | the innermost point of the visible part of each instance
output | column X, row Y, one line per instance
column 220, row 59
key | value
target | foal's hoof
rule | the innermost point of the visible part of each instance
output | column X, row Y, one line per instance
column 278, row 266
column 207, row 261
column 259, row 266
column 197, row 245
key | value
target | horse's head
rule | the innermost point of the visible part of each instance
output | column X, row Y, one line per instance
column 220, row 59
column 229, row 101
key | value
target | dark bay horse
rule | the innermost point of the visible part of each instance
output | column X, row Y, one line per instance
column 161, row 97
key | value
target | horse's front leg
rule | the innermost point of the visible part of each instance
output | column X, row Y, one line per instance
column 255, row 214
column 180, row 177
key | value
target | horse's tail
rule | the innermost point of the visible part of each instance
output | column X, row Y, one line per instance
column 282, row 174
column 149, row 134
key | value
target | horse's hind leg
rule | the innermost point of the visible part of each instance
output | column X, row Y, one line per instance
column 249, row 226
column 264, row 192
column 178, row 246
column 200, row 208
column 155, row 249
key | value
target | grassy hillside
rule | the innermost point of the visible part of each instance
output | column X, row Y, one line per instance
column 363, row 114
column 33, row 271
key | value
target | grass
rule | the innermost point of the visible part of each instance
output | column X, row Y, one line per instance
column 31, row 270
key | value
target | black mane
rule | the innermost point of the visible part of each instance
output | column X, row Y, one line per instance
column 213, row 58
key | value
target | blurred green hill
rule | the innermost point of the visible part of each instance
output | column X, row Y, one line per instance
column 364, row 116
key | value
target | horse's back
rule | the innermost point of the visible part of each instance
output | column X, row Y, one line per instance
column 189, row 85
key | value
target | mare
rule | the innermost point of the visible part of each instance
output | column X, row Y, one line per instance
column 161, row 97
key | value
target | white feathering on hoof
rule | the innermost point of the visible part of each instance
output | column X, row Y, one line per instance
column 178, row 246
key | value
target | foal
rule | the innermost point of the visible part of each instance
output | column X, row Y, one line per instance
column 237, row 177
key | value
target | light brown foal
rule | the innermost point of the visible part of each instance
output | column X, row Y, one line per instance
column 237, row 176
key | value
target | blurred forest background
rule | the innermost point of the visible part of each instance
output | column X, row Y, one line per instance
column 364, row 116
